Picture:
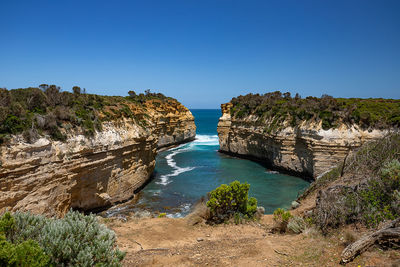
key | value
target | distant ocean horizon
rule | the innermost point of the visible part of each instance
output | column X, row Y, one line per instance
column 186, row 173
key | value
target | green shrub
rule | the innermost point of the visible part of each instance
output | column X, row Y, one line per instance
column 227, row 200
column 370, row 202
column 296, row 225
column 237, row 219
column 281, row 218
column 27, row 253
column 251, row 206
column 7, row 223
column 379, row 199
column 76, row 239
column 372, row 156
column 20, row 107
column 277, row 107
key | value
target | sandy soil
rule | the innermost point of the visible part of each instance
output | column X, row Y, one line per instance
column 174, row 242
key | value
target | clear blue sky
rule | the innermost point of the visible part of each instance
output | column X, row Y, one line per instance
column 204, row 52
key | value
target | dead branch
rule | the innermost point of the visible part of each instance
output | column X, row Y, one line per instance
column 389, row 232
column 281, row 253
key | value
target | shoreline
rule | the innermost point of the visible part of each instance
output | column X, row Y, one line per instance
column 136, row 192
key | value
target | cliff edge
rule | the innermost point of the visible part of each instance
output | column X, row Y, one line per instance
column 90, row 171
column 305, row 137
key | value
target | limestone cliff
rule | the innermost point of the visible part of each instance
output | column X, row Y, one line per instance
column 88, row 172
column 306, row 149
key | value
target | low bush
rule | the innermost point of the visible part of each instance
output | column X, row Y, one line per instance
column 26, row 253
column 46, row 110
column 281, row 219
column 370, row 202
column 331, row 112
column 379, row 200
column 75, row 240
column 228, row 201
column 296, row 225
column 162, row 215
column 364, row 189
column 372, row 156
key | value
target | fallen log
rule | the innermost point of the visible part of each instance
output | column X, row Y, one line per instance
column 389, row 232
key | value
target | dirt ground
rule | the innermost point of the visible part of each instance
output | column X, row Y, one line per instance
column 174, row 242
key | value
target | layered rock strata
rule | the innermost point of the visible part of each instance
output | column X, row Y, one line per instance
column 306, row 150
column 50, row 177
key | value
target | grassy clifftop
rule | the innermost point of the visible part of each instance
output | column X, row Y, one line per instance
column 48, row 110
column 367, row 113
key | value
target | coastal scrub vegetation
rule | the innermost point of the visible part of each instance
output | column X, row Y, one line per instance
column 231, row 201
column 364, row 189
column 26, row 253
column 47, row 109
column 279, row 107
column 281, row 219
column 284, row 221
column 371, row 202
column 75, row 240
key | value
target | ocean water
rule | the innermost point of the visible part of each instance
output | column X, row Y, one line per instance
column 186, row 173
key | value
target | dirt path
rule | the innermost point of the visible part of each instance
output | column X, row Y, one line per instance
column 173, row 242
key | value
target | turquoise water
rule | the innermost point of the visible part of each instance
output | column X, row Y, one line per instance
column 186, row 173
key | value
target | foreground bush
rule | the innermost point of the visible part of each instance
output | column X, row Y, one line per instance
column 281, row 219
column 374, row 199
column 27, row 253
column 231, row 201
column 368, row 203
column 75, row 240
column 296, row 225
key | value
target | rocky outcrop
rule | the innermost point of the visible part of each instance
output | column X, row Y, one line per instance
column 306, row 150
column 50, row 177
column 174, row 124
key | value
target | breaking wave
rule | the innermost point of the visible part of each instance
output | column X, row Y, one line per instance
column 201, row 140
column 164, row 179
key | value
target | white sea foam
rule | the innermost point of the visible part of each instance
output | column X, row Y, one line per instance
column 201, row 140
column 164, row 179
column 206, row 140
column 185, row 208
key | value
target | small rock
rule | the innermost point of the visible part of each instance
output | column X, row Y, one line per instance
column 295, row 204
column 199, row 239
column 261, row 210
column 208, row 235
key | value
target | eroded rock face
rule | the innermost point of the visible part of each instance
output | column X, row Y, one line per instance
column 50, row 177
column 306, row 150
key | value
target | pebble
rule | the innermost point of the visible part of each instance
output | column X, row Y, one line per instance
column 199, row 239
